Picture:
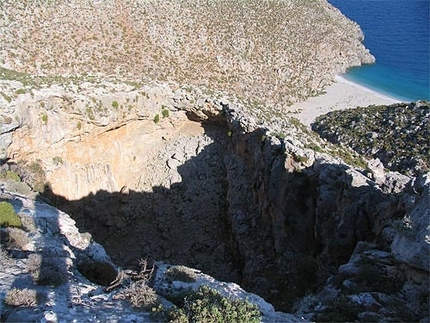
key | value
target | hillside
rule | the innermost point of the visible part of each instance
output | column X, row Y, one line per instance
column 398, row 135
column 274, row 52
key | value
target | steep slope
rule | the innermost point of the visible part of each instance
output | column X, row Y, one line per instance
column 261, row 203
column 398, row 135
column 274, row 52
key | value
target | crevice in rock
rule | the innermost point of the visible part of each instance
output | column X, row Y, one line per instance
column 226, row 201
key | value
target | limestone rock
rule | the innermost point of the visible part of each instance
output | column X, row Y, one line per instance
column 54, row 269
column 411, row 243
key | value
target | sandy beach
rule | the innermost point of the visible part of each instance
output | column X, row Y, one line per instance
column 342, row 94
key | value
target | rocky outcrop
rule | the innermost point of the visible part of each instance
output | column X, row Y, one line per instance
column 40, row 279
column 310, row 211
column 50, row 272
column 70, row 132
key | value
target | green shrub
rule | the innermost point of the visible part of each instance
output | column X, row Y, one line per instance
column 45, row 118
column 20, row 91
column 8, row 217
column 207, row 305
column 6, row 97
column 165, row 113
column 115, row 104
column 157, row 118
column 314, row 147
column 57, row 160
column 279, row 135
column 11, row 176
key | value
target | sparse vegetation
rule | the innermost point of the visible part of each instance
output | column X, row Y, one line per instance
column 21, row 297
column 207, row 305
column 10, row 175
column 203, row 55
column 398, row 135
column 157, row 118
column 5, row 258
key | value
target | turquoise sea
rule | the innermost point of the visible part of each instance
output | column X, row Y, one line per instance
column 397, row 34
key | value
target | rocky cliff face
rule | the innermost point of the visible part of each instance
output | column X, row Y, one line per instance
column 263, row 204
column 311, row 214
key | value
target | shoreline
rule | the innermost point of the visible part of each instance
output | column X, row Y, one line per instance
column 342, row 94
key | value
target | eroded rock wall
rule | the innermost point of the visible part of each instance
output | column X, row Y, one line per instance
column 240, row 197
column 303, row 212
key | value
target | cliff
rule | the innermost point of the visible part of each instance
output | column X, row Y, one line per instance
column 268, row 205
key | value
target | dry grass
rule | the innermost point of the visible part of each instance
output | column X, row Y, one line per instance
column 181, row 273
column 14, row 238
column 47, row 271
column 140, row 295
column 21, row 297
column 275, row 51
column 5, row 259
